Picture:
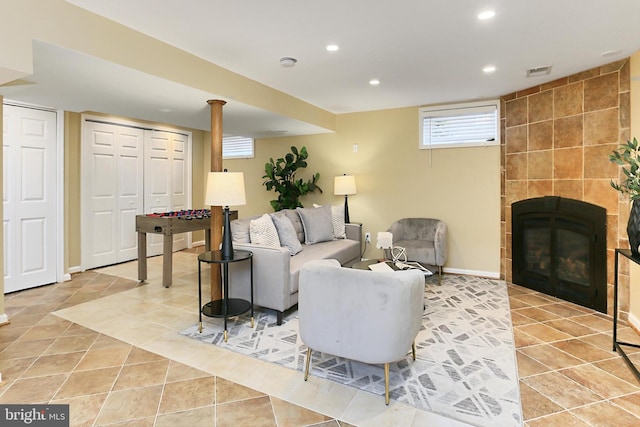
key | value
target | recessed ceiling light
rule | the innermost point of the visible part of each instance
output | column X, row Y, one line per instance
column 165, row 110
column 487, row 14
column 288, row 62
column 333, row 47
column 374, row 82
column 489, row 69
column 610, row 53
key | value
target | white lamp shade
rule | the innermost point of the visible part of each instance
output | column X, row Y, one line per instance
column 225, row 189
column 344, row 185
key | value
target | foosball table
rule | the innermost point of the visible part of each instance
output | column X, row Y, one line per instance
column 168, row 224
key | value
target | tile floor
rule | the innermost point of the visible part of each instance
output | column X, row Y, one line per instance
column 46, row 359
column 119, row 361
column 569, row 375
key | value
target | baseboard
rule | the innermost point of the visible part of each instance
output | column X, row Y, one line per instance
column 4, row 319
column 634, row 322
column 487, row 274
column 198, row 243
column 76, row 269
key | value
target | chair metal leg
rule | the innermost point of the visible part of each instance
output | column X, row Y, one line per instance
column 413, row 350
column 306, row 369
column 386, row 383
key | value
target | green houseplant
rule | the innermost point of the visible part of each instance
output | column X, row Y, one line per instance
column 280, row 176
column 628, row 156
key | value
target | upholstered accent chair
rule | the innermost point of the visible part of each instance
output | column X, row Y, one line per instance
column 368, row 316
column 424, row 240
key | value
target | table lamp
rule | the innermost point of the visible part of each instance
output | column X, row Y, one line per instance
column 225, row 189
column 345, row 185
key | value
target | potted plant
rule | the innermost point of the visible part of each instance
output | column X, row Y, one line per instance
column 628, row 156
column 281, row 177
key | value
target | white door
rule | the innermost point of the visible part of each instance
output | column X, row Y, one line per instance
column 112, row 192
column 165, row 181
column 29, row 197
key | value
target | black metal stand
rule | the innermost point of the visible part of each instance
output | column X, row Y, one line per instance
column 616, row 344
column 226, row 306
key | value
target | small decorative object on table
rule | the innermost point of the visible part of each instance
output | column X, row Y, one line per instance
column 412, row 265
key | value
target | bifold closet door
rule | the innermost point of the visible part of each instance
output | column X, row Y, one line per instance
column 112, row 192
column 165, row 181
column 29, row 197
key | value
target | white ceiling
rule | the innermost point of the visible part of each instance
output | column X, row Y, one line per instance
column 422, row 51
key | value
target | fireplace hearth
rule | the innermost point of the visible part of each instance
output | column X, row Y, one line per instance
column 559, row 247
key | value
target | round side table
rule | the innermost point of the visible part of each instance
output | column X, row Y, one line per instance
column 226, row 306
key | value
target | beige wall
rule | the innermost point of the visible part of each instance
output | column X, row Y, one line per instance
column 395, row 179
column 72, row 214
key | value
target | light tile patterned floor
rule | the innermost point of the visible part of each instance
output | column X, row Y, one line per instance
column 568, row 374
column 46, row 359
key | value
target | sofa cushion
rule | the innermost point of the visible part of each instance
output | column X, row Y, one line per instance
column 342, row 250
column 293, row 216
column 337, row 220
column 286, row 233
column 263, row 232
column 317, row 224
column 240, row 230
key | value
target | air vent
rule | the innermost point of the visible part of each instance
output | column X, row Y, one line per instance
column 539, row 71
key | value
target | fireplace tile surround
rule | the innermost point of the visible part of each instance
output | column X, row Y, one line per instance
column 555, row 141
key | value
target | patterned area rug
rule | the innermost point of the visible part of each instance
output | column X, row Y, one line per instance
column 465, row 368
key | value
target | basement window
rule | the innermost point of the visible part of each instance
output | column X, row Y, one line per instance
column 471, row 124
column 237, row 147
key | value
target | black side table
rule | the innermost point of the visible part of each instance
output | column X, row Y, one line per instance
column 616, row 344
column 226, row 306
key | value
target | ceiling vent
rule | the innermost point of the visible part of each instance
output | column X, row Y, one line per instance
column 539, row 71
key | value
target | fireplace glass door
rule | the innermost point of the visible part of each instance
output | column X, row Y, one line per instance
column 559, row 248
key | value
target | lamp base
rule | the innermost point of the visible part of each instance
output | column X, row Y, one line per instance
column 346, row 209
column 227, row 245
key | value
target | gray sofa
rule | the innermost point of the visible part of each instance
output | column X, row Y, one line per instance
column 275, row 271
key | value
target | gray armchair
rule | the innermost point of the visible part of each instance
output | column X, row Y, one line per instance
column 368, row 316
column 424, row 239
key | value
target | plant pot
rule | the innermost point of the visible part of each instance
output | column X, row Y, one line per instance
column 633, row 228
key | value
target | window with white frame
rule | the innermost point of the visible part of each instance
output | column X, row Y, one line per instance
column 469, row 124
column 237, row 147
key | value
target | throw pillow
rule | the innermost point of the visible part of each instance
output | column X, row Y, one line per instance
column 317, row 224
column 263, row 232
column 286, row 233
column 337, row 219
column 240, row 230
column 294, row 217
